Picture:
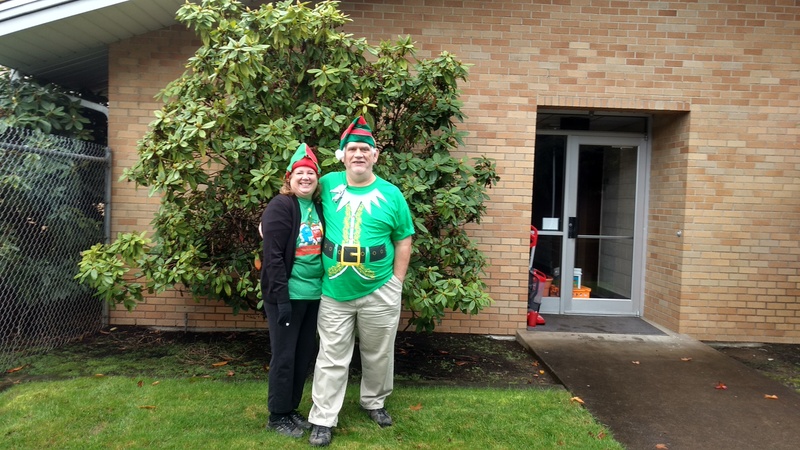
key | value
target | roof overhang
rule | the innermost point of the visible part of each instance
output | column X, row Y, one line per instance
column 66, row 41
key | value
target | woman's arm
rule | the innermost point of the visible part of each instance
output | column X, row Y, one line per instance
column 276, row 226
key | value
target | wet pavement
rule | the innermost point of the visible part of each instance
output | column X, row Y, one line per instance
column 659, row 389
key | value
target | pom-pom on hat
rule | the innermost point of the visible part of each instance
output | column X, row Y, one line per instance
column 358, row 131
column 303, row 157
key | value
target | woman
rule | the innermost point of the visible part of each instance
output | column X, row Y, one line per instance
column 291, row 285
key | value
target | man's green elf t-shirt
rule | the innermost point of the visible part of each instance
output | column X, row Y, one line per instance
column 362, row 224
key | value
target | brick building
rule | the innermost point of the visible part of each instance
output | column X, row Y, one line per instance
column 654, row 145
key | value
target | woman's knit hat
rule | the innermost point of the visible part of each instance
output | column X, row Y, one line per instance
column 303, row 157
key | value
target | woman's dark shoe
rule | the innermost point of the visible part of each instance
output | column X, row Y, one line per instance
column 299, row 420
column 284, row 425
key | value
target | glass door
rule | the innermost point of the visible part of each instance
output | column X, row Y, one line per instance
column 550, row 157
column 588, row 207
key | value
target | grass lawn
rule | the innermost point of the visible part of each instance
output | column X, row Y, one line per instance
column 192, row 413
column 134, row 389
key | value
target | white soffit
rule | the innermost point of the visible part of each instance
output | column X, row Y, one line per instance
column 66, row 41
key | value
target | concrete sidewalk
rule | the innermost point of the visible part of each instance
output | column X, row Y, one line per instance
column 663, row 389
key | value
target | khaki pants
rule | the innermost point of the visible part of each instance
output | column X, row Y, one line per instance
column 376, row 316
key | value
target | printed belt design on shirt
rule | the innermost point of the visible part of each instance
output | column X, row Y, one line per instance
column 351, row 255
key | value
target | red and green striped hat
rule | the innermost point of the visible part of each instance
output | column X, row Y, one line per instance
column 358, row 131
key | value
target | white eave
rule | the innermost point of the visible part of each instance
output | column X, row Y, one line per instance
column 66, row 41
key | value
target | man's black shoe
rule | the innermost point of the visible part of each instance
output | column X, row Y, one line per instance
column 284, row 425
column 380, row 416
column 320, row 436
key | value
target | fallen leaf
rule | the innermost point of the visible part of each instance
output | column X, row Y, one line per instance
column 147, row 407
column 687, row 359
column 112, row 329
column 444, row 352
column 416, row 407
column 599, row 435
column 577, row 400
column 140, row 383
column 155, row 383
column 219, row 364
column 635, row 362
column 541, row 372
column 231, row 373
column 720, row 385
column 771, row 396
column 15, row 369
column 402, row 351
column 535, row 364
column 661, row 446
column 460, row 363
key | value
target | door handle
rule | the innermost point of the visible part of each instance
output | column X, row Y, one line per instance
column 572, row 228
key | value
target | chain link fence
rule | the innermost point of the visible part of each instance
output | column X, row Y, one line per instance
column 53, row 204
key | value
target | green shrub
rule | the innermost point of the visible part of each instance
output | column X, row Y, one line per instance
column 263, row 81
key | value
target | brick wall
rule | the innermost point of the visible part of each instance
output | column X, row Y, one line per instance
column 139, row 69
column 719, row 77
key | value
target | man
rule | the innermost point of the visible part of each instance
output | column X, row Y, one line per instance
column 365, row 253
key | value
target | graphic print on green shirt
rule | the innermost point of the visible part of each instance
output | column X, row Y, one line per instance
column 362, row 225
column 305, row 283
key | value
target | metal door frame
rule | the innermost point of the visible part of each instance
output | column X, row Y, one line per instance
column 566, row 304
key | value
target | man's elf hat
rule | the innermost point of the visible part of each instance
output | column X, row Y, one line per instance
column 358, row 131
